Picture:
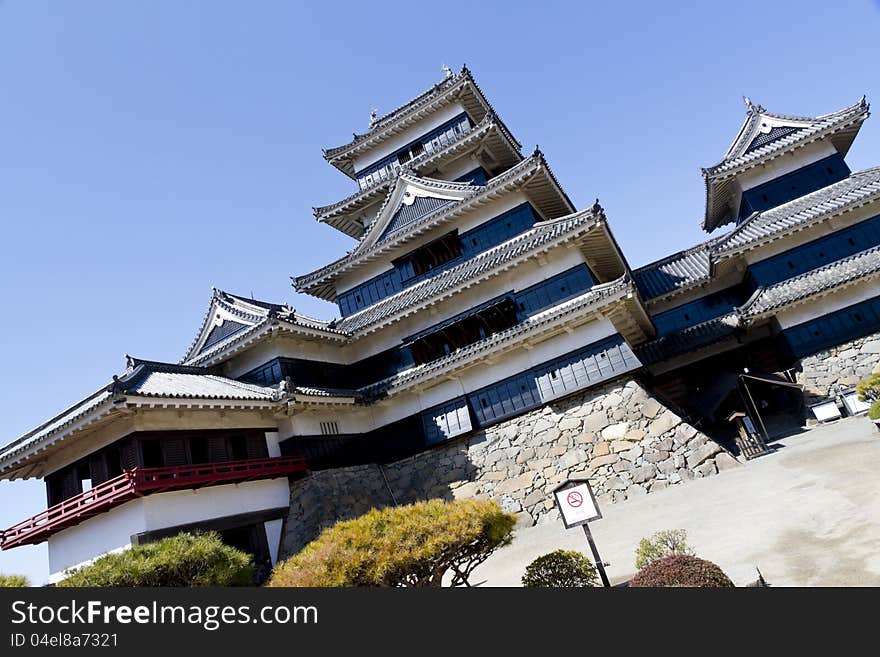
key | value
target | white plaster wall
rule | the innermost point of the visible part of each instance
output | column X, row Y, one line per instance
column 112, row 530
column 786, row 164
column 401, row 405
column 272, row 447
column 524, row 275
column 107, row 532
column 828, row 304
column 410, row 134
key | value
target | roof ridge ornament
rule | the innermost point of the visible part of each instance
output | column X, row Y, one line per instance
column 374, row 117
column 447, row 72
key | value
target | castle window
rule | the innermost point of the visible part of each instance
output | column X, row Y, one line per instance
column 329, row 429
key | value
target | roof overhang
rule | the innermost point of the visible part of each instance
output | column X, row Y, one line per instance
column 489, row 141
column 565, row 317
column 532, row 176
column 461, row 88
column 31, row 459
column 839, row 128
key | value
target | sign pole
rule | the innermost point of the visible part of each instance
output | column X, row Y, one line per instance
column 596, row 556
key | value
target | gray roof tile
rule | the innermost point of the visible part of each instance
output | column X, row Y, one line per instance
column 452, row 280
column 813, row 282
column 854, row 190
column 674, row 272
column 694, row 337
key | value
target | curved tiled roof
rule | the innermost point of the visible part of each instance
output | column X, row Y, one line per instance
column 149, row 379
column 382, row 126
column 468, row 273
column 471, row 138
column 752, row 148
column 831, row 276
column 745, row 151
column 690, row 339
column 853, row 191
column 673, row 272
column 315, row 282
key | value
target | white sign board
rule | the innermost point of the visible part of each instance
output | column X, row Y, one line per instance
column 854, row 405
column 577, row 504
column 826, row 411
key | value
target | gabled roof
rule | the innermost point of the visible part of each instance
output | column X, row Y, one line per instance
column 230, row 317
column 852, row 192
column 461, row 88
column 411, row 198
column 532, row 175
column 765, row 136
column 490, row 133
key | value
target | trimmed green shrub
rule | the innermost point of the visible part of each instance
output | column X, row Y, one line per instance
column 560, row 569
column 13, row 581
column 874, row 411
column 869, row 389
column 182, row 560
column 661, row 544
column 411, row 545
column 681, row 570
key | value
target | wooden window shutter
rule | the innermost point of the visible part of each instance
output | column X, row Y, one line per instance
column 98, row 469
column 256, row 446
column 128, row 454
column 217, row 451
column 173, row 451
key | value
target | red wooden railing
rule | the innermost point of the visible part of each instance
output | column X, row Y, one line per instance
column 143, row 481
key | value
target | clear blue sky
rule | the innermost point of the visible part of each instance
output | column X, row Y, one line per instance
column 150, row 150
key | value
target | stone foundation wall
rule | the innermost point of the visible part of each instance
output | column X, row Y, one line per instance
column 617, row 435
column 825, row 373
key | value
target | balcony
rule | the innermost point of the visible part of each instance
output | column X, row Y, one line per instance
column 144, row 481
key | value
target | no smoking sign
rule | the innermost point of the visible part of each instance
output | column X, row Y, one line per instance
column 576, row 503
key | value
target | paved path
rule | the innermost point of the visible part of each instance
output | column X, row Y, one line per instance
column 807, row 515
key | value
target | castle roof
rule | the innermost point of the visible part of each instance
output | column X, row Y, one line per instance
column 532, row 175
column 230, row 317
column 143, row 382
column 852, row 192
column 490, row 133
column 460, row 88
column 690, row 267
column 765, row 136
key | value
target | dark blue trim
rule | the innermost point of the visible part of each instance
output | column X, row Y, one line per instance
column 556, row 289
column 708, row 307
column 478, row 176
column 446, row 421
column 793, row 185
column 841, row 244
column 834, row 328
column 489, row 234
column 585, row 367
column 458, row 120
column 595, row 363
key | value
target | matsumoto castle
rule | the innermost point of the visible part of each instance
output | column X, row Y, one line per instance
column 492, row 340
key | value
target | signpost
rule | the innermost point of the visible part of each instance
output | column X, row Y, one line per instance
column 578, row 506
